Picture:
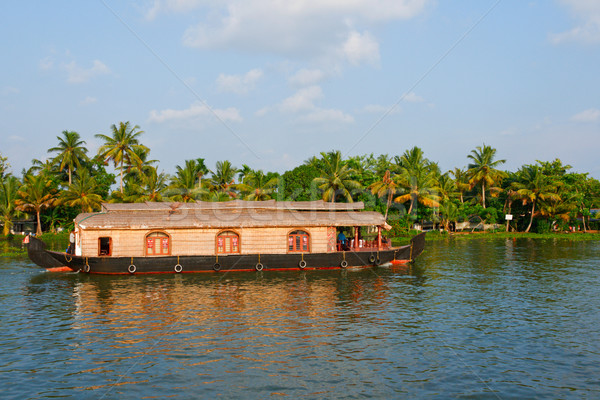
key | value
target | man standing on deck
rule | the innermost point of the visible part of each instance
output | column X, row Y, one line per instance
column 71, row 249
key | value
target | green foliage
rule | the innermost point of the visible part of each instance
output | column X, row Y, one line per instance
column 297, row 184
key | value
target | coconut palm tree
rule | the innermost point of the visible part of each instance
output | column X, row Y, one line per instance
column 258, row 186
column 482, row 171
column 4, row 166
column 461, row 181
column 122, row 147
column 448, row 214
column 8, row 194
column 386, row 187
column 336, row 177
column 36, row 195
column 418, row 175
column 446, row 187
column 223, row 179
column 70, row 152
column 82, row 193
column 533, row 186
column 183, row 184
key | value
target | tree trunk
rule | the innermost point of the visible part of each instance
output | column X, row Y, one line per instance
column 387, row 208
column 38, row 231
column 69, row 175
column 531, row 219
column 483, row 193
column 121, row 176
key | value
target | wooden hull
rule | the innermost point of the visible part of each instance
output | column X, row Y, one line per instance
column 235, row 262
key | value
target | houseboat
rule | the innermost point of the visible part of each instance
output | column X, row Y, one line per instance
column 143, row 238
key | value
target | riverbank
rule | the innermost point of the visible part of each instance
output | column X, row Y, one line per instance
column 12, row 245
column 437, row 236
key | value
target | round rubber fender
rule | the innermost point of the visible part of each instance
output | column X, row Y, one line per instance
column 178, row 268
column 132, row 268
column 259, row 267
column 217, row 267
column 86, row 268
column 372, row 258
column 302, row 264
column 344, row 264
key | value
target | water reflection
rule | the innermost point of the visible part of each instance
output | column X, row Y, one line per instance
column 484, row 319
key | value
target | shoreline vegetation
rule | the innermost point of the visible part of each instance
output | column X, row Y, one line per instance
column 408, row 189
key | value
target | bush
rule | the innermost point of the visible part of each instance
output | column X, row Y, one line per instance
column 543, row 226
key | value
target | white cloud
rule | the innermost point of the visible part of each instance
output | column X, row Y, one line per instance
column 89, row 100
column 313, row 29
column 46, row 64
column 306, row 77
column 303, row 104
column 411, row 97
column 167, row 6
column 302, row 100
column 587, row 12
column 327, row 115
column 360, row 48
column 196, row 110
column 77, row 74
column 240, row 84
column 590, row 115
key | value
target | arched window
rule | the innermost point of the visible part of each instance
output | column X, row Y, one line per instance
column 298, row 241
column 158, row 244
column 228, row 242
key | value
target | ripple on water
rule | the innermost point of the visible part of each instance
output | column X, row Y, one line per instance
column 490, row 319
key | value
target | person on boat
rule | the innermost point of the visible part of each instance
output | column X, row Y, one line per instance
column 342, row 241
column 71, row 248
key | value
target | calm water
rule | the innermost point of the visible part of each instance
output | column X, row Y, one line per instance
column 490, row 319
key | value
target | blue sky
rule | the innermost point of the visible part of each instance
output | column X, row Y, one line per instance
column 270, row 83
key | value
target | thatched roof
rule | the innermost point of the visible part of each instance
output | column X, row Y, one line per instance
column 317, row 205
column 233, row 214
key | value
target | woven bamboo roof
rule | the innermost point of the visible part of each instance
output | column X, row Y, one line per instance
column 233, row 214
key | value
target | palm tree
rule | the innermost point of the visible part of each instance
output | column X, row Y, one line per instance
column 123, row 146
column 8, row 194
column 336, row 177
column 4, row 165
column 183, row 184
column 483, row 170
column 385, row 187
column 461, row 181
column 446, row 187
column 448, row 213
column 258, row 186
column 70, row 152
column 533, row 186
column 36, row 195
column 223, row 178
column 82, row 193
column 418, row 175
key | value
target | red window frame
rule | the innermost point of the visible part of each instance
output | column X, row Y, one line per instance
column 298, row 242
column 157, row 244
column 228, row 242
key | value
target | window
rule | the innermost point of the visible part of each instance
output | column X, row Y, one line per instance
column 158, row 244
column 298, row 241
column 228, row 242
column 104, row 246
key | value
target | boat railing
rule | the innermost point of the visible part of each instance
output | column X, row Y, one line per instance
column 363, row 245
